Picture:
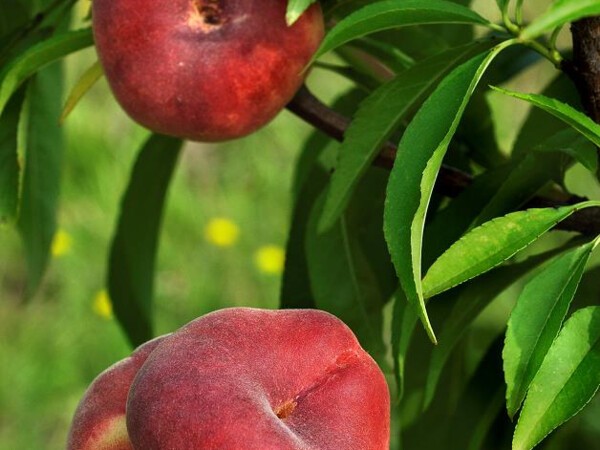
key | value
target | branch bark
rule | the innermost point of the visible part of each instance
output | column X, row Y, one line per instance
column 450, row 182
column 584, row 70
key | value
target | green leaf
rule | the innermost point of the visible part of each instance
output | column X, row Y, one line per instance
column 470, row 300
column 570, row 143
column 417, row 163
column 559, row 13
column 83, row 85
column 472, row 424
column 36, row 57
column 576, row 119
column 378, row 116
column 295, row 8
column 566, row 381
column 492, row 243
column 343, row 280
column 133, row 249
column 10, row 169
column 404, row 320
column 388, row 14
column 41, row 141
column 536, row 320
column 536, row 126
column 528, row 176
column 390, row 55
column 295, row 283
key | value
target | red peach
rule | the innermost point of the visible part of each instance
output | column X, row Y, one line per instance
column 250, row 379
column 99, row 421
column 206, row 70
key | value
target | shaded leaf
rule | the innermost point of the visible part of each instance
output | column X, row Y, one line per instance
column 572, row 144
column 342, row 277
column 37, row 56
column 10, row 169
column 416, row 166
column 492, row 243
column 480, row 402
column 526, row 178
column 390, row 55
column 133, row 249
column 536, row 320
column 41, row 142
column 566, row 381
column 388, row 14
column 378, row 116
column 559, row 13
column 538, row 123
column 296, row 290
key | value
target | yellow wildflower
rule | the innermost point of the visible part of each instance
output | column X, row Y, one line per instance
column 270, row 259
column 61, row 243
column 102, row 305
column 221, row 232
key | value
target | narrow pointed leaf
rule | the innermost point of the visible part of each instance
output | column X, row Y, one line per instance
column 532, row 172
column 36, row 57
column 388, row 14
column 566, row 381
column 471, row 300
column 492, row 243
column 576, row 119
column 295, row 8
column 378, row 116
column 342, row 279
column 134, row 245
column 295, row 283
column 83, row 85
column 559, row 13
column 536, row 320
column 10, row 169
column 420, row 154
column 573, row 144
column 41, row 140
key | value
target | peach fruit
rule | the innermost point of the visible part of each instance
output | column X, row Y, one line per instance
column 206, row 70
column 99, row 421
column 244, row 378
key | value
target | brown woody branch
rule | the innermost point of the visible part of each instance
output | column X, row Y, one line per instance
column 584, row 69
column 450, row 181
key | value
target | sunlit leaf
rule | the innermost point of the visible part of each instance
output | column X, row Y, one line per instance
column 566, row 381
column 295, row 8
column 83, row 85
column 536, row 320
column 576, row 119
column 559, row 13
column 470, row 301
column 492, row 243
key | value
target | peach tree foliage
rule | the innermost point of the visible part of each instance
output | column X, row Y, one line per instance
column 417, row 217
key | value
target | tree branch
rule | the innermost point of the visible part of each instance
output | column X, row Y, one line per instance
column 584, row 70
column 450, row 182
